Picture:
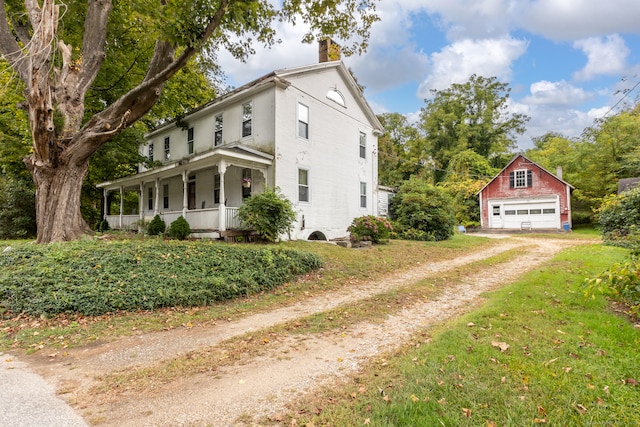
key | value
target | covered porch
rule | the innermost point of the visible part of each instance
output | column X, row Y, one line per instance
column 205, row 189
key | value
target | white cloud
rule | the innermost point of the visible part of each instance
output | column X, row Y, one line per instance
column 458, row 61
column 556, row 94
column 606, row 56
column 575, row 19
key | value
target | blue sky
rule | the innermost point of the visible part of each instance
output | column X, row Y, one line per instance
column 567, row 62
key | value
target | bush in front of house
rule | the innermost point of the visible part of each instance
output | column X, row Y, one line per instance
column 372, row 228
column 179, row 229
column 269, row 213
column 94, row 277
column 422, row 211
column 156, row 226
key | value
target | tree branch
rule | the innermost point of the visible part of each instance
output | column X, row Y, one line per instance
column 95, row 35
column 9, row 46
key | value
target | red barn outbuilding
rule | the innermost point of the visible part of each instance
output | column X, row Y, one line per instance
column 524, row 195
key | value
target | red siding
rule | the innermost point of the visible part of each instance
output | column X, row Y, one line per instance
column 544, row 184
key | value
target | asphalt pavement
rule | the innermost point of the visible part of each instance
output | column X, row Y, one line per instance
column 26, row 399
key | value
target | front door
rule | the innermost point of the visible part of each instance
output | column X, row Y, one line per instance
column 496, row 216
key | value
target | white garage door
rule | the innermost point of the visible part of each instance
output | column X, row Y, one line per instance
column 517, row 215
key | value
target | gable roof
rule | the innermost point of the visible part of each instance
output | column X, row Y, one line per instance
column 518, row 156
column 279, row 78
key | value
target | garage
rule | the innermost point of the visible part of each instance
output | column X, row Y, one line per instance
column 525, row 214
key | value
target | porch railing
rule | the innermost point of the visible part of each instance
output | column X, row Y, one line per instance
column 198, row 219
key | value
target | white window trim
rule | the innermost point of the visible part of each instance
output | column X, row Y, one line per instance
column 192, row 141
column 166, row 149
column 242, row 120
column 362, row 149
column 366, row 199
column 215, row 129
column 307, row 122
column 520, row 180
column 307, row 185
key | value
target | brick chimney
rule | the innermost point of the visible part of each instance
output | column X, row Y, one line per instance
column 328, row 50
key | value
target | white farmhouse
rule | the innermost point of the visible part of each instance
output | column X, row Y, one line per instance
column 307, row 130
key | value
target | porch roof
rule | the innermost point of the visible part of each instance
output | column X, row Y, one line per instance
column 235, row 155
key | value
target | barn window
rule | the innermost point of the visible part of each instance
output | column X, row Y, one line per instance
column 549, row 211
column 520, row 178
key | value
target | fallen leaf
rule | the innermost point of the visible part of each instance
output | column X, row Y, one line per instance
column 414, row 398
column 367, row 421
column 580, row 408
column 503, row 346
column 539, row 421
column 466, row 412
column 471, row 324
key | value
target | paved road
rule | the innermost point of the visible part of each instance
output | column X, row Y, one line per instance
column 26, row 399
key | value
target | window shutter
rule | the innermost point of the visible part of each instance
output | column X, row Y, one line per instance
column 512, row 179
column 529, row 178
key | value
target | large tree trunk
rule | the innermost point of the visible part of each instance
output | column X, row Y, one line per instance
column 58, row 190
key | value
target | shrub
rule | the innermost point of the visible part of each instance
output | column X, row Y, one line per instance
column 620, row 282
column 376, row 229
column 17, row 208
column 95, row 277
column 270, row 214
column 422, row 211
column 103, row 225
column 619, row 218
column 156, row 226
column 179, row 229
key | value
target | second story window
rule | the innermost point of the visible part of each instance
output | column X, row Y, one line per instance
column 167, row 149
column 363, row 145
column 217, row 137
column 303, row 121
column 151, row 151
column 521, row 178
column 190, row 141
column 247, row 119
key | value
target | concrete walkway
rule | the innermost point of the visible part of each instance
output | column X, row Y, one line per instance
column 26, row 399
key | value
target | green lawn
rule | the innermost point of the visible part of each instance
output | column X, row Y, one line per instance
column 537, row 353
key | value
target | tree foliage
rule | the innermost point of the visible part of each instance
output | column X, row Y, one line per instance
column 65, row 54
column 470, row 116
column 269, row 213
column 619, row 219
column 422, row 211
column 397, row 157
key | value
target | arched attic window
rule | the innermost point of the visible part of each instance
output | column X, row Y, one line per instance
column 335, row 95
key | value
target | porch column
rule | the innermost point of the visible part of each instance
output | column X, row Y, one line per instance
column 156, row 199
column 141, row 202
column 222, row 208
column 121, row 205
column 185, row 193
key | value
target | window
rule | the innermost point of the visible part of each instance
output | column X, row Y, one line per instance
column 167, row 149
column 510, row 212
column 336, row 97
column 520, row 178
column 216, row 188
column 217, row 135
column 150, row 199
column 363, row 145
column 535, row 211
column 496, row 210
column 303, row 121
column 247, row 118
column 363, row 194
column 523, row 212
column 190, row 141
column 303, row 185
column 151, row 151
column 165, row 196
column 549, row 211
